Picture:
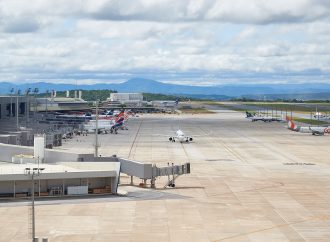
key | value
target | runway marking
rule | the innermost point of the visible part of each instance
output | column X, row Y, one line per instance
column 228, row 149
column 137, row 132
column 277, row 185
column 185, row 152
column 264, row 145
column 266, row 229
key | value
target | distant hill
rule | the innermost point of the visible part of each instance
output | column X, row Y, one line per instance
column 151, row 86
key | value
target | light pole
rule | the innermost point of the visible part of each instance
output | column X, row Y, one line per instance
column 96, row 152
column 17, row 123
column 47, row 101
column 35, row 92
column 27, row 105
column 11, row 102
column 36, row 171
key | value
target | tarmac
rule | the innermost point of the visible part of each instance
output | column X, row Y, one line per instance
column 250, row 181
column 323, row 108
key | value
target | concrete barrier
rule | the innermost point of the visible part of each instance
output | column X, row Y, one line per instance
column 51, row 156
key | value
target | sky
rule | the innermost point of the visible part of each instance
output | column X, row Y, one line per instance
column 194, row 42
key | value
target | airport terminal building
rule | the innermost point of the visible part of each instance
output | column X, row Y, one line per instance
column 124, row 97
column 53, row 172
column 9, row 104
column 60, row 179
column 132, row 99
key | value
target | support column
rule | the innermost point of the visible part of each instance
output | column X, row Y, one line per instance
column 152, row 182
column 14, row 188
column 39, row 186
column 17, row 114
column 63, row 187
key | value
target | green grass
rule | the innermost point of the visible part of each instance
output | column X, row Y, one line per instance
column 309, row 121
column 274, row 106
column 231, row 107
column 324, row 107
column 212, row 103
column 195, row 111
column 158, row 96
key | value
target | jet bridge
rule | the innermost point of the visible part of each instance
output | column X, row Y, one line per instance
column 150, row 171
column 171, row 171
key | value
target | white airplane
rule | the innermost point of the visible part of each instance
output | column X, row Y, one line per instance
column 319, row 130
column 319, row 115
column 106, row 126
column 102, row 127
column 181, row 137
column 254, row 117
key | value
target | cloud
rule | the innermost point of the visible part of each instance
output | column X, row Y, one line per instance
column 20, row 25
column 239, row 11
column 269, row 12
column 186, row 41
column 224, row 11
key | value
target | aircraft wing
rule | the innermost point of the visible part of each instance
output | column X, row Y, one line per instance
column 162, row 135
column 200, row 135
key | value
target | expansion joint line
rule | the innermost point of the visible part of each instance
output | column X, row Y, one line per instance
column 137, row 132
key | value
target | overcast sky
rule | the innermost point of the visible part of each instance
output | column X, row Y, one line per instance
column 181, row 41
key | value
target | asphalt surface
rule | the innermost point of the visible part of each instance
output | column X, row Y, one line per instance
column 250, row 181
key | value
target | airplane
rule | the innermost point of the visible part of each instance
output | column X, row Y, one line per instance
column 310, row 129
column 125, row 116
column 106, row 126
column 181, row 137
column 107, row 114
column 118, row 124
column 255, row 118
column 320, row 130
column 113, row 116
column 319, row 115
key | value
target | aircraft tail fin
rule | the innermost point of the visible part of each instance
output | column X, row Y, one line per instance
column 287, row 118
column 292, row 126
column 248, row 114
column 121, row 114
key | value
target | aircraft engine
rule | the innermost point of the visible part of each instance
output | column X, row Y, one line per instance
column 170, row 139
column 190, row 139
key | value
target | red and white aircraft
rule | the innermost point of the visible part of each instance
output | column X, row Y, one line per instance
column 318, row 130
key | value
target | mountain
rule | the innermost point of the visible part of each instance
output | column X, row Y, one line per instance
column 151, row 86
